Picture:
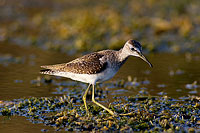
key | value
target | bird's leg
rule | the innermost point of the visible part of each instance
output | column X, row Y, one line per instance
column 84, row 98
column 93, row 99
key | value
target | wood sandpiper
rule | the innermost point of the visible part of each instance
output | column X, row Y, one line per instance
column 96, row 67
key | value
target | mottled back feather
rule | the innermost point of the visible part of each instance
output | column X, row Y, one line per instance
column 87, row 64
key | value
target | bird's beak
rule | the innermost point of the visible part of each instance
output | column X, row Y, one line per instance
column 145, row 59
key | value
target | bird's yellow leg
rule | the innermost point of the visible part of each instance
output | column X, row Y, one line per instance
column 93, row 99
column 84, row 98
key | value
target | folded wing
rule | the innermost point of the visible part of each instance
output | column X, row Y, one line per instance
column 88, row 64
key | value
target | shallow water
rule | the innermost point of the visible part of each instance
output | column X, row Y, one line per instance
column 172, row 75
column 19, row 124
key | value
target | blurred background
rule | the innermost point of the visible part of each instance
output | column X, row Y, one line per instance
column 84, row 25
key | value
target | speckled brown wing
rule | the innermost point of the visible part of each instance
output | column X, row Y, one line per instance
column 88, row 64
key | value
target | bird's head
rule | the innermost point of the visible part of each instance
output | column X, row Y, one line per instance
column 134, row 48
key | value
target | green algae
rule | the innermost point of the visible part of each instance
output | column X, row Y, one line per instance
column 135, row 113
column 144, row 113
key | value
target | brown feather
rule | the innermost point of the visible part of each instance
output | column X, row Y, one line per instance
column 88, row 64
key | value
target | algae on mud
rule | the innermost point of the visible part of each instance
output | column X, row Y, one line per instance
column 141, row 113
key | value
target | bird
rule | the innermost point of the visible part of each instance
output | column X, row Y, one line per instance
column 96, row 67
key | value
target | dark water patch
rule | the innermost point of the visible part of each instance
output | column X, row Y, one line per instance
column 14, row 124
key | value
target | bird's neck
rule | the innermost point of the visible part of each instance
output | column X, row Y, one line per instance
column 122, row 55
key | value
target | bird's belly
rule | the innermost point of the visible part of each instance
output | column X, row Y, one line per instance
column 106, row 75
column 89, row 78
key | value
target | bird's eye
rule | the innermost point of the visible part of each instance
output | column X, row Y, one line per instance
column 133, row 49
